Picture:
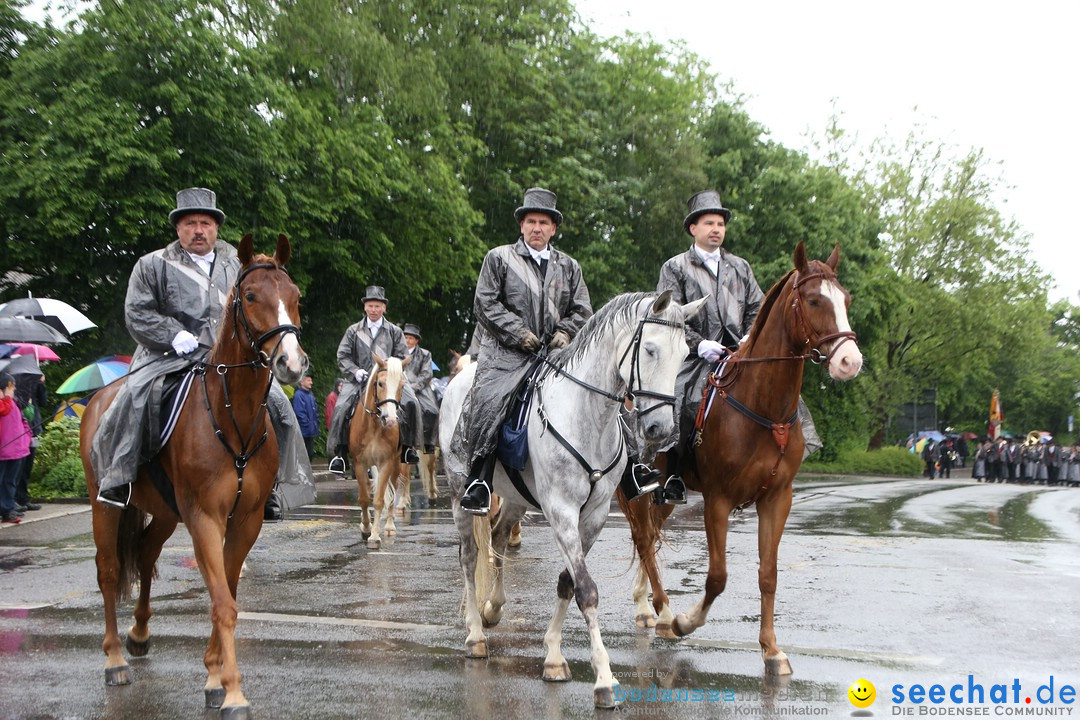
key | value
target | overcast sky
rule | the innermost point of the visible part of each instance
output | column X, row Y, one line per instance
column 993, row 75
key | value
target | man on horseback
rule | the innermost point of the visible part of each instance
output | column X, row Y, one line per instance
column 707, row 270
column 374, row 335
column 173, row 308
column 529, row 297
column 420, row 374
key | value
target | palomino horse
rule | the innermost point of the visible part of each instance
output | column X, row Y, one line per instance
column 373, row 440
column 746, row 455
column 630, row 350
column 221, row 458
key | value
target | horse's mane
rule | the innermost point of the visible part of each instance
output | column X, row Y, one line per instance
column 620, row 309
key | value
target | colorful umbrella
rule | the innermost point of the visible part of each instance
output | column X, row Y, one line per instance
column 71, row 408
column 40, row 352
column 56, row 313
column 95, row 375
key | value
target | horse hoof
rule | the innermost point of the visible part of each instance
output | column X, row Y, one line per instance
column 679, row 628
column 645, row 620
column 136, row 648
column 476, row 649
column 777, row 665
column 605, row 697
column 557, row 673
column 374, row 543
column 666, row 631
column 235, row 712
column 490, row 617
column 117, row 675
column 514, row 541
column 215, row 697
column 390, row 532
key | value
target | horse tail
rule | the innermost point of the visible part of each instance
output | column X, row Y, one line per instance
column 485, row 577
column 128, row 544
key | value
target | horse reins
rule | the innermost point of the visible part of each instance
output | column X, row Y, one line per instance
column 629, row 395
column 249, row 445
column 780, row 430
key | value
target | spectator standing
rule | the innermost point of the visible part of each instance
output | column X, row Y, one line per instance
column 929, row 455
column 978, row 465
column 14, row 447
column 307, row 415
column 331, row 400
column 30, row 392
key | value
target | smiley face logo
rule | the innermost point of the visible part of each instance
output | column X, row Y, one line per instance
column 862, row 693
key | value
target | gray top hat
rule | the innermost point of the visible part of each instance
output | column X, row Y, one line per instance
column 541, row 201
column 410, row 329
column 702, row 203
column 375, row 292
column 196, row 200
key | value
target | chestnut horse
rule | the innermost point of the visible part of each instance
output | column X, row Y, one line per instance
column 746, row 455
column 222, row 458
column 373, row 440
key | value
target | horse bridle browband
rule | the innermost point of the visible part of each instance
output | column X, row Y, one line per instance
column 635, row 372
column 249, row 446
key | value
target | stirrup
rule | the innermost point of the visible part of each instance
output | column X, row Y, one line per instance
column 642, row 473
column 118, row 497
column 409, row 456
column 337, row 465
column 477, row 498
column 675, row 490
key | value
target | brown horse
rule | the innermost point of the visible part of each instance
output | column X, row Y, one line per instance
column 747, row 456
column 221, row 482
column 373, row 440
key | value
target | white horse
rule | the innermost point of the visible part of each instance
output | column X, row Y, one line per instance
column 629, row 352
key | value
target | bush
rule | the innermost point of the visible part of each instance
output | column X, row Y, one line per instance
column 887, row 461
column 66, row 479
column 58, row 446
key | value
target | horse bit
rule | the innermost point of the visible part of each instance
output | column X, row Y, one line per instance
column 261, row 361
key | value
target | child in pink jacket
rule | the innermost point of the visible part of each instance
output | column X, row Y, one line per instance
column 14, row 447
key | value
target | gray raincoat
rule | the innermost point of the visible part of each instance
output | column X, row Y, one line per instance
column 168, row 292
column 355, row 352
column 513, row 299
column 729, row 313
column 420, row 375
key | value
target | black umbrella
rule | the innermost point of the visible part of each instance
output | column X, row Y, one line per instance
column 56, row 313
column 21, row 365
column 19, row 329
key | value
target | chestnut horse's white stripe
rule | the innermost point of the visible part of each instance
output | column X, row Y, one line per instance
column 836, row 295
column 290, row 346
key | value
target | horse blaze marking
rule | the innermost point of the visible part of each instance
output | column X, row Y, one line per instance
column 289, row 342
column 829, row 290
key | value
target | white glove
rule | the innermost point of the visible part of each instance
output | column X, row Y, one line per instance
column 360, row 375
column 710, row 350
column 184, row 343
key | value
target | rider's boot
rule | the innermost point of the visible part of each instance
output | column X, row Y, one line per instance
column 477, row 497
column 638, row 479
column 118, row 496
column 272, row 511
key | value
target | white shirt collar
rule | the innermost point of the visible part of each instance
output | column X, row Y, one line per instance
column 539, row 255
column 206, row 262
column 373, row 327
column 708, row 256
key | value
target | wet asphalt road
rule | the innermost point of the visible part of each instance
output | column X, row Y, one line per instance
column 898, row 581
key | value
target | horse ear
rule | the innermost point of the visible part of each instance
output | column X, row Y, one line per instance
column 691, row 309
column 660, row 304
column 246, row 251
column 834, row 259
column 378, row 360
column 283, row 251
column 801, row 263
column 407, row 360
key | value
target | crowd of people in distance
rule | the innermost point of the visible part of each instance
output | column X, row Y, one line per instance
column 1029, row 462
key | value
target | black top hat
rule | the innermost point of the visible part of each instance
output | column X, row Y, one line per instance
column 196, row 200
column 375, row 292
column 702, row 203
column 410, row 329
column 541, row 201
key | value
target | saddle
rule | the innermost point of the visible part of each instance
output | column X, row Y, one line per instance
column 172, row 391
